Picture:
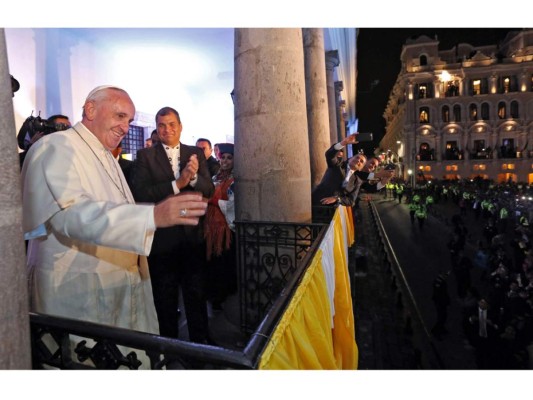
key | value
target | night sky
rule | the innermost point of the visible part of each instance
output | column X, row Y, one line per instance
column 378, row 59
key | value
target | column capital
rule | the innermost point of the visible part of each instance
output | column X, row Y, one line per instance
column 332, row 59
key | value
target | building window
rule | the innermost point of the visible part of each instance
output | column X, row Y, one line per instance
column 473, row 112
column 424, row 115
column 485, row 111
column 452, row 152
column 479, row 86
column 502, row 113
column 457, row 113
column 508, row 166
column 507, row 149
column 507, row 84
column 445, row 114
column 422, row 91
column 514, row 109
column 423, row 60
column 133, row 141
column 452, row 89
column 479, row 145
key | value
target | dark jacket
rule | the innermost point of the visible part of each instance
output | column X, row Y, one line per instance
column 331, row 183
column 152, row 182
column 213, row 165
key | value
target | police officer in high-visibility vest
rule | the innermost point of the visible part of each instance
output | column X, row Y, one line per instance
column 504, row 215
column 399, row 192
column 429, row 202
column 421, row 215
column 412, row 209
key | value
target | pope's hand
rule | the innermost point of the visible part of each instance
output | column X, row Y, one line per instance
column 182, row 209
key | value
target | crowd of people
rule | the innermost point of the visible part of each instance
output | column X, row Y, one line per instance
column 491, row 264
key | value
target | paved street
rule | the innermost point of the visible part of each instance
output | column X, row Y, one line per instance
column 422, row 255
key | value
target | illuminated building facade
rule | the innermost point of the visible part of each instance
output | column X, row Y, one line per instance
column 465, row 112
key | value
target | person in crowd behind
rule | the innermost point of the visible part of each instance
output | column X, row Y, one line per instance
column 177, row 259
column 153, row 139
column 441, row 300
column 484, row 334
column 88, row 238
column 219, row 233
column 462, row 273
column 125, row 165
column 343, row 179
column 212, row 162
column 216, row 152
column 421, row 214
column 28, row 133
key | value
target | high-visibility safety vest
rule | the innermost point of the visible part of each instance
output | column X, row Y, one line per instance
column 503, row 213
column 421, row 212
column 429, row 200
column 416, row 198
column 524, row 221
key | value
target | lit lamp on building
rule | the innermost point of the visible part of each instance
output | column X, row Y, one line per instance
column 410, row 174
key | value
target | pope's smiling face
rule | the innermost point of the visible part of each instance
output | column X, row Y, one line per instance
column 109, row 118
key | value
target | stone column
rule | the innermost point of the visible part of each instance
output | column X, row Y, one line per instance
column 272, row 174
column 15, row 351
column 317, row 101
column 341, row 118
column 332, row 61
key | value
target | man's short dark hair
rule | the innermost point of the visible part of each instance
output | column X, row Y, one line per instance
column 56, row 116
column 204, row 140
column 165, row 111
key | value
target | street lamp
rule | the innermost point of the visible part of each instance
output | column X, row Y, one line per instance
column 410, row 173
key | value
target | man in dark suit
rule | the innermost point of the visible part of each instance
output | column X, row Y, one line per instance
column 343, row 179
column 212, row 162
column 177, row 259
column 125, row 165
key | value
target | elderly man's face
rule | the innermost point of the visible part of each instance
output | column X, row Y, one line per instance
column 357, row 162
column 111, row 118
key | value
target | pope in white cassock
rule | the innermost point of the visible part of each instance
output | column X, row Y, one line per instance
column 88, row 240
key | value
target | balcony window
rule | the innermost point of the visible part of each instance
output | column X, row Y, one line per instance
column 514, row 109
column 479, row 86
column 457, row 113
column 445, row 114
column 473, row 112
column 485, row 111
column 424, row 115
column 507, row 84
column 502, row 111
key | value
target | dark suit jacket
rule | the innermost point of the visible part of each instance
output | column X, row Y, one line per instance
column 152, row 182
column 213, row 165
column 331, row 183
column 127, row 167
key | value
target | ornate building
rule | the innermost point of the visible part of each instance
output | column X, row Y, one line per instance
column 465, row 112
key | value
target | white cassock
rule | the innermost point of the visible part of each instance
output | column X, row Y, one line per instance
column 85, row 263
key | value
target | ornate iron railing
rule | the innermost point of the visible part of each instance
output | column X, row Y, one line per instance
column 276, row 258
column 269, row 254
